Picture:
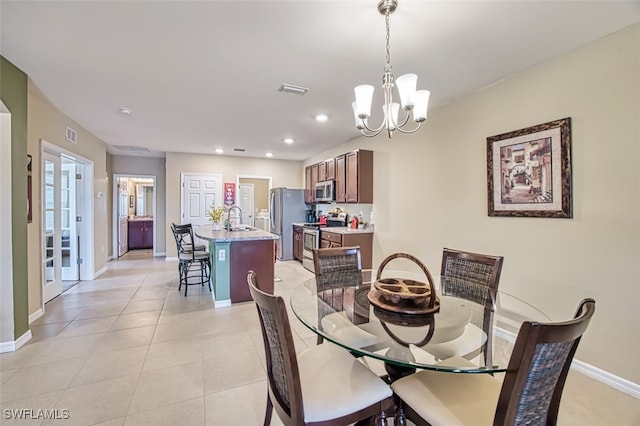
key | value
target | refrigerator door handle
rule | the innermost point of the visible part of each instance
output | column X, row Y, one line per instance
column 272, row 210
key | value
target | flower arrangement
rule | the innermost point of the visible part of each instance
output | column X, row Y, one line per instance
column 215, row 213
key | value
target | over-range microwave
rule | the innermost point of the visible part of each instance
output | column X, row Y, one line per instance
column 325, row 191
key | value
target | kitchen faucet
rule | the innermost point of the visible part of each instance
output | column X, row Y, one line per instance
column 229, row 216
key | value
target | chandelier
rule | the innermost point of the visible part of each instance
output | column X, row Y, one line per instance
column 414, row 102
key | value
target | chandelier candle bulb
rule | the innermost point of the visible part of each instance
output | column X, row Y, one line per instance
column 360, row 122
column 364, row 96
column 406, row 85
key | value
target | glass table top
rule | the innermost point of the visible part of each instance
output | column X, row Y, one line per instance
column 472, row 331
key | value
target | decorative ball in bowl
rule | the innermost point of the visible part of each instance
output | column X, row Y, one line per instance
column 396, row 290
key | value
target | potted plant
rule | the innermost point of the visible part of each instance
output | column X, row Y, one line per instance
column 215, row 216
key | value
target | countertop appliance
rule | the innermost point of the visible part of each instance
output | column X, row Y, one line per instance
column 325, row 191
column 286, row 207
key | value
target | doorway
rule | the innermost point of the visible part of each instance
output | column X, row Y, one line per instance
column 253, row 197
column 134, row 213
column 66, row 220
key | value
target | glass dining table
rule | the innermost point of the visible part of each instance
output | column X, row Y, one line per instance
column 473, row 329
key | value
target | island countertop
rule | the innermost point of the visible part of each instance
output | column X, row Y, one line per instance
column 206, row 233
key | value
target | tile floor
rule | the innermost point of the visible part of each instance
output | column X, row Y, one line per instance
column 129, row 349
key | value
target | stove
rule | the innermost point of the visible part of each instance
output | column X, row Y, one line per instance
column 311, row 237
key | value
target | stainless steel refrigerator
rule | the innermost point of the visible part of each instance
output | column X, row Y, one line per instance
column 287, row 207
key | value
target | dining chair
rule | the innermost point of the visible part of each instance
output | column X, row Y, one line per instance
column 188, row 245
column 338, row 273
column 188, row 258
column 529, row 394
column 323, row 384
column 474, row 277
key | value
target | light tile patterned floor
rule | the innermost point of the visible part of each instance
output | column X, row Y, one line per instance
column 129, row 349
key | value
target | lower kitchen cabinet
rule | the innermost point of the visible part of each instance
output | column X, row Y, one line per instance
column 350, row 239
column 298, row 243
column 140, row 234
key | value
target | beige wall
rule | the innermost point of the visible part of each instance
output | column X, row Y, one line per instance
column 48, row 123
column 430, row 192
column 283, row 173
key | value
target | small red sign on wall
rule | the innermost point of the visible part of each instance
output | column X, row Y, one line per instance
column 229, row 193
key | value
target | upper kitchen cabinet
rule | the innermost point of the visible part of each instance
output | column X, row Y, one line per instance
column 354, row 177
column 311, row 177
column 327, row 170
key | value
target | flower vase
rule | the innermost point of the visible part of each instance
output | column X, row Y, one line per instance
column 215, row 226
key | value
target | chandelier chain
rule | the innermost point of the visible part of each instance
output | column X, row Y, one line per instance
column 387, row 66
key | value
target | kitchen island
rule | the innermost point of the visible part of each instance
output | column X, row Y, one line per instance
column 233, row 254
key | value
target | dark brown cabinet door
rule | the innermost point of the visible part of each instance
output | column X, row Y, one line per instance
column 140, row 234
column 308, row 187
column 351, row 177
column 330, row 169
column 314, row 179
column 297, row 242
column 340, row 168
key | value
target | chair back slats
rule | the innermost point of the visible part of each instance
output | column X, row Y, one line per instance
column 538, row 369
column 337, row 267
column 470, row 267
column 282, row 365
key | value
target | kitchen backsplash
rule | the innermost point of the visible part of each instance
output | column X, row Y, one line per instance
column 350, row 209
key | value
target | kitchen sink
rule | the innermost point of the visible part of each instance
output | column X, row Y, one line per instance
column 242, row 228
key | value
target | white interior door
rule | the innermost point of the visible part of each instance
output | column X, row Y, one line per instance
column 51, row 235
column 68, row 214
column 199, row 192
column 246, row 202
column 123, row 221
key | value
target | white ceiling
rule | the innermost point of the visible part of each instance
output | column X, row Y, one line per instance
column 203, row 75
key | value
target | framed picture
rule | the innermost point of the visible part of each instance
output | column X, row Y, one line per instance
column 529, row 171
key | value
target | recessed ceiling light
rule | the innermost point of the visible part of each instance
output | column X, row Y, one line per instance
column 288, row 140
column 219, row 150
column 125, row 110
column 322, row 118
column 269, row 154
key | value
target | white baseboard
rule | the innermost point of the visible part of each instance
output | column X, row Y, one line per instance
column 37, row 314
column 171, row 259
column 616, row 382
column 159, row 253
column 222, row 303
column 100, row 272
column 16, row 344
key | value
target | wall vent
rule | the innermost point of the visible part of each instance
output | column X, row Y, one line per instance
column 239, row 149
column 71, row 135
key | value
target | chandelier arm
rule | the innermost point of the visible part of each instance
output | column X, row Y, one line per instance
column 404, row 122
column 374, row 131
column 409, row 131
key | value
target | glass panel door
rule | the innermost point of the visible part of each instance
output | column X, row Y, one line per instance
column 68, row 230
column 52, row 285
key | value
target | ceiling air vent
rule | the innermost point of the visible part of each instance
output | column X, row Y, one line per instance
column 129, row 148
column 71, row 135
column 293, row 89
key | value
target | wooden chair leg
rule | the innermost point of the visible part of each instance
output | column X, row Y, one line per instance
column 268, row 412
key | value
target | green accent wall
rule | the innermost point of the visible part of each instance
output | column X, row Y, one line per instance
column 13, row 92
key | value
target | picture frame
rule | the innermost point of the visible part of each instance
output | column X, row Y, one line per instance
column 529, row 171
